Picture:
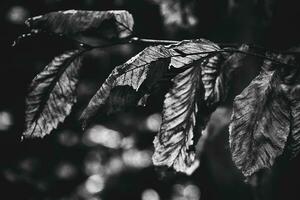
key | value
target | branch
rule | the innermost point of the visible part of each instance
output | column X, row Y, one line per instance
column 136, row 40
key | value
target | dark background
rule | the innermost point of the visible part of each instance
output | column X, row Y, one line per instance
column 71, row 165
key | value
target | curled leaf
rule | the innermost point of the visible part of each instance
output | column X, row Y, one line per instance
column 260, row 124
column 103, row 24
column 52, row 94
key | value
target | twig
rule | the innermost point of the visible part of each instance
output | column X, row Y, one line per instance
column 152, row 41
column 136, row 40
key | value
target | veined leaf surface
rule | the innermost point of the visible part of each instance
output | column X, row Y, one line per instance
column 260, row 124
column 52, row 94
column 173, row 144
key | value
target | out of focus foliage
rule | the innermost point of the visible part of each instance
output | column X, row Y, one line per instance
column 111, row 160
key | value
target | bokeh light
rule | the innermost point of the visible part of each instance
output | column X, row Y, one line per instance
column 65, row 170
column 127, row 142
column 99, row 134
column 68, row 138
column 28, row 164
column 137, row 158
column 93, row 167
column 94, row 184
column 17, row 14
column 191, row 192
column 114, row 165
column 93, row 163
column 6, row 120
column 150, row 194
column 186, row 191
column 153, row 122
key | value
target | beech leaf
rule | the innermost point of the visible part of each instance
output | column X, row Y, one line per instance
column 175, row 138
column 293, row 144
column 217, row 73
column 52, row 94
column 260, row 124
column 174, row 144
column 104, row 24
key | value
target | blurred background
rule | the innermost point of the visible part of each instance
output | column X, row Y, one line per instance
column 112, row 159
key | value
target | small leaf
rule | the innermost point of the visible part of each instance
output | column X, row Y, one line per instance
column 260, row 124
column 103, row 24
column 173, row 144
column 217, row 74
column 52, row 94
column 211, row 69
column 132, row 73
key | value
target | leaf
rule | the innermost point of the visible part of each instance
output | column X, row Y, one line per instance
column 104, row 24
column 217, row 74
column 290, row 85
column 293, row 144
column 174, row 142
column 132, row 73
column 52, row 94
column 260, row 124
column 175, row 138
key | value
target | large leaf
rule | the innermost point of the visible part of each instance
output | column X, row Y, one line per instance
column 174, row 144
column 260, row 124
column 175, row 138
column 52, row 94
column 132, row 73
column 104, row 24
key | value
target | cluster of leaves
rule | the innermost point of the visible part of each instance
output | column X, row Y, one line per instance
column 265, row 115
